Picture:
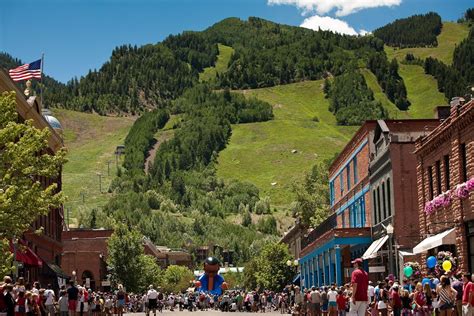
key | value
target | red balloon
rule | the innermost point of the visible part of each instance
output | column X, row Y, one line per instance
column 197, row 283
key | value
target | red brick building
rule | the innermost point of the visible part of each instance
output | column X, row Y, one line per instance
column 85, row 255
column 372, row 184
column 41, row 257
column 445, row 160
column 329, row 248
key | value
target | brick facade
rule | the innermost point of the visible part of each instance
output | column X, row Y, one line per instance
column 85, row 252
column 440, row 167
column 349, row 180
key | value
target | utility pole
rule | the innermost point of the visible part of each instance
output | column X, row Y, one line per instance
column 108, row 167
column 100, row 181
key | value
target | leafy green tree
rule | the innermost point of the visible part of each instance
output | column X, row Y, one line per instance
column 312, row 196
column 267, row 225
column 151, row 272
column 176, row 278
column 125, row 248
column 247, row 219
column 24, row 158
column 269, row 269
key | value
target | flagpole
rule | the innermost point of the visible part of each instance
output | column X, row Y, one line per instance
column 41, row 82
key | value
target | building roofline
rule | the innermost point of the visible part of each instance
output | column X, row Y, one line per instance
column 463, row 110
column 363, row 129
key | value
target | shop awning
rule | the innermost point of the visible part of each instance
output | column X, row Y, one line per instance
column 296, row 279
column 24, row 254
column 57, row 270
column 371, row 252
column 448, row 237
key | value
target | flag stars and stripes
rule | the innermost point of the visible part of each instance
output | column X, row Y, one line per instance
column 26, row 71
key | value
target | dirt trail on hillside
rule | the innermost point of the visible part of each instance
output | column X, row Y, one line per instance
column 163, row 137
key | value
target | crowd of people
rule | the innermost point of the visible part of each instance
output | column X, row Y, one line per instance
column 450, row 295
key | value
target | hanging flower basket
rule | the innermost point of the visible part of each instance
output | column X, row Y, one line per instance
column 462, row 190
column 441, row 201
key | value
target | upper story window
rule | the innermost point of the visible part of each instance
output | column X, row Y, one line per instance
column 463, row 163
column 438, row 178
column 348, row 176
column 447, row 177
column 357, row 213
column 379, row 209
column 374, row 201
column 331, row 192
column 430, row 182
column 356, row 176
column 389, row 198
column 384, row 201
column 341, row 182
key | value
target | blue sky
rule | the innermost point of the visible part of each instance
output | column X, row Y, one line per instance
column 78, row 35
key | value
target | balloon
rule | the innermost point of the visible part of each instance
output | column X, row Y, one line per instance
column 225, row 286
column 436, row 281
column 431, row 262
column 197, row 283
column 408, row 271
column 447, row 265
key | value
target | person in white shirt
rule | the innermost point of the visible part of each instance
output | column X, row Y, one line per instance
column 332, row 303
column 49, row 302
column 371, row 292
column 152, row 298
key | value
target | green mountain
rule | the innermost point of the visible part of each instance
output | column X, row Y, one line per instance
column 253, row 106
column 415, row 31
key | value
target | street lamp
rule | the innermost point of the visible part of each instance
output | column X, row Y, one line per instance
column 74, row 275
column 289, row 263
column 389, row 229
column 15, row 263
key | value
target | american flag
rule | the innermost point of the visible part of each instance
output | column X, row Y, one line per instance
column 27, row 71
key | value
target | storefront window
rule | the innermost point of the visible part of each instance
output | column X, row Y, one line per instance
column 470, row 243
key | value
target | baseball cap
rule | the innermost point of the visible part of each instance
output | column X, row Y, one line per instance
column 358, row 260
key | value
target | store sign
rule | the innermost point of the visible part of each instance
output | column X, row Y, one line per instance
column 88, row 282
column 105, row 283
column 377, row 269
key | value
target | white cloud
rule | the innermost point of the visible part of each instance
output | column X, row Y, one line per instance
column 327, row 23
column 342, row 7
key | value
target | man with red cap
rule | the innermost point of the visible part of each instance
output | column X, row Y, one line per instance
column 360, row 284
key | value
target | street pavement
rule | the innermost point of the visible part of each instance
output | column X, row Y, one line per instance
column 211, row 312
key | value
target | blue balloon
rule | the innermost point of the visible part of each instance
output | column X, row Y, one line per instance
column 431, row 262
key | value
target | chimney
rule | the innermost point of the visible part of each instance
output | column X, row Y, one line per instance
column 442, row 112
column 456, row 103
